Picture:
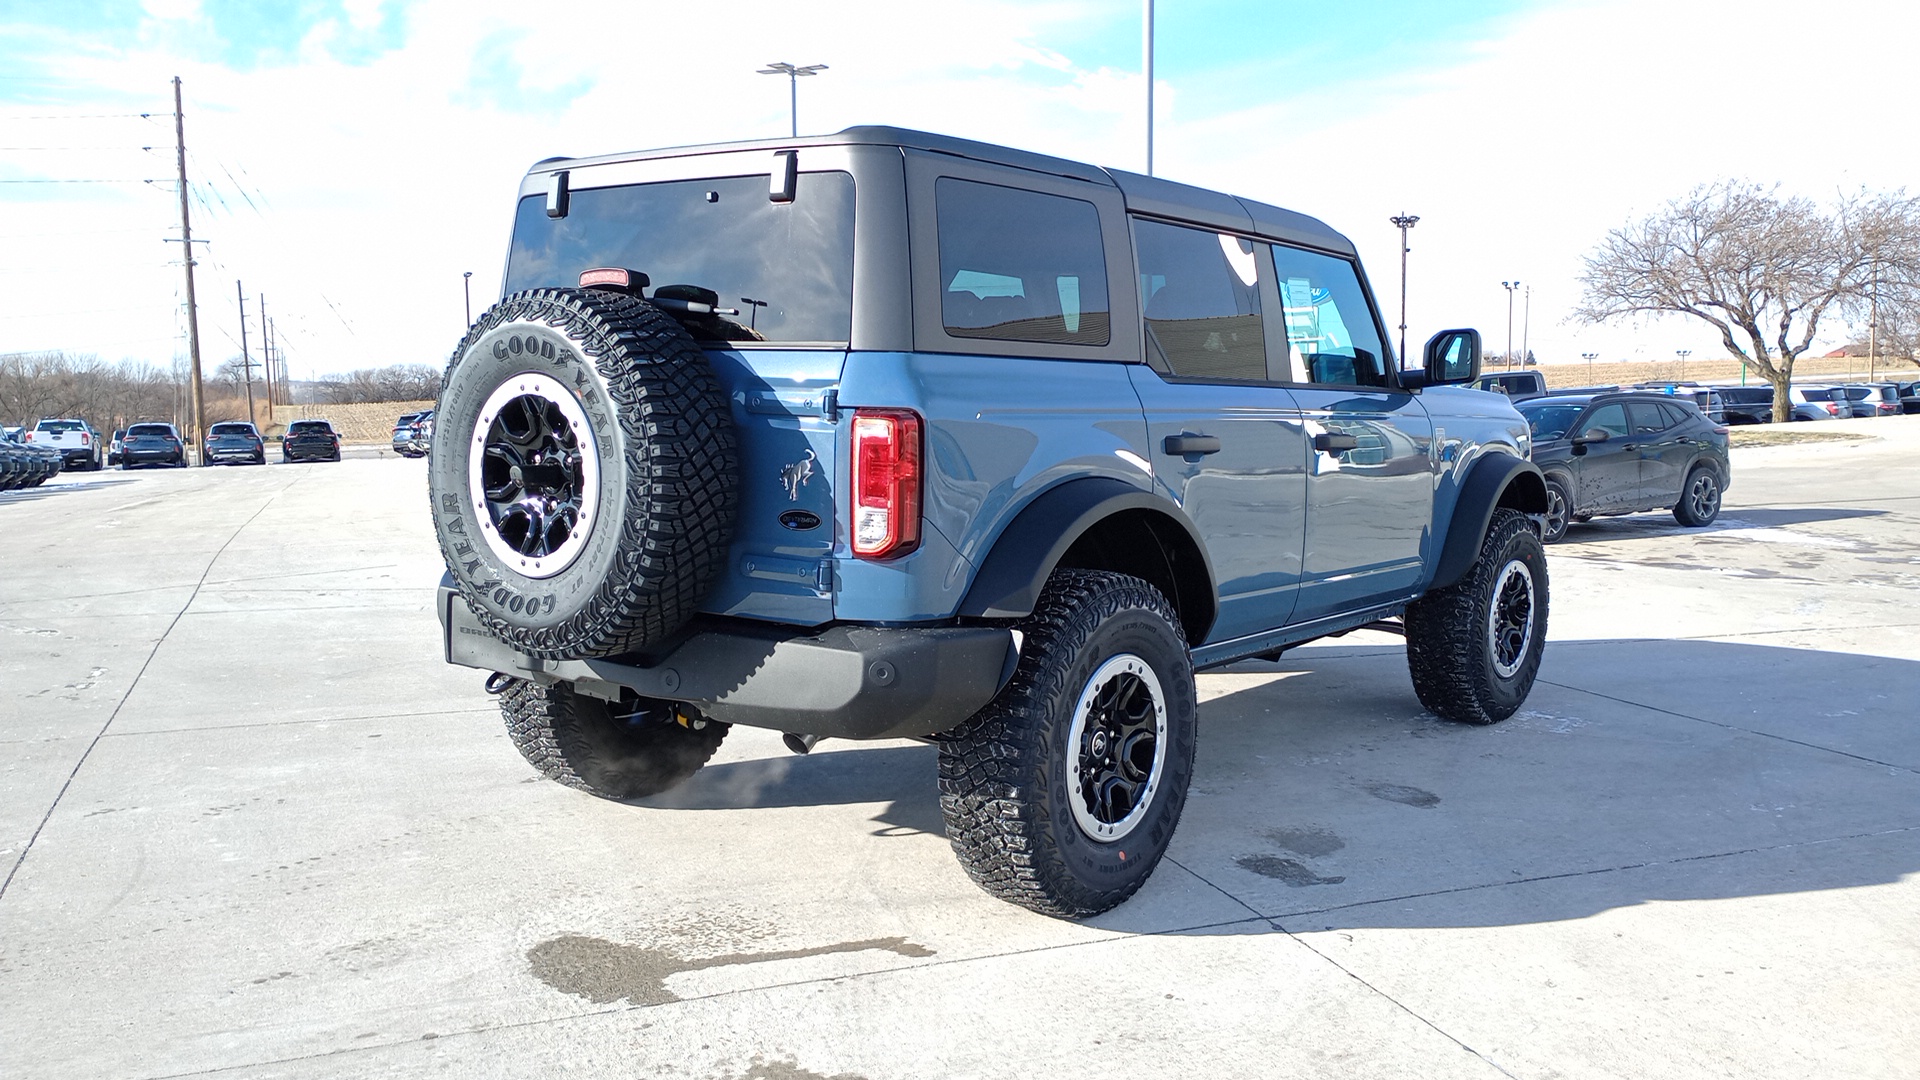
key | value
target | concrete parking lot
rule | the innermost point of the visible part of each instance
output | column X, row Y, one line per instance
column 250, row 825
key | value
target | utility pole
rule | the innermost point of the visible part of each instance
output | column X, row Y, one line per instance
column 1873, row 326
column 246, row 361
column 186, row 242
column 1146, row 62
column 1404, row 222
column 266, row 362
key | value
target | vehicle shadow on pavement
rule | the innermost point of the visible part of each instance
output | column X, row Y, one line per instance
column 1652, row 523
column 904, row 776
column 1638, row 771
column 1324, row 796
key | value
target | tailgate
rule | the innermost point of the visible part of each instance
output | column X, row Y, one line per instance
column 781, row 564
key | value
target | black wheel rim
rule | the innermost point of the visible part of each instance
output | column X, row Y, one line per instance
column 1510, row 618
column 1117, row 748
column 533, row 475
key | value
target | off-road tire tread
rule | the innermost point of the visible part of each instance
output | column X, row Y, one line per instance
column 990, row 763
column 1445, row 653
column 682, row 473
column 574, row 740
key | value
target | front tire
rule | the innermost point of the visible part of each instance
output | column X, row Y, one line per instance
column 1063, row 793
column 1474, row 647
column 1699, row 501
column 629, row 751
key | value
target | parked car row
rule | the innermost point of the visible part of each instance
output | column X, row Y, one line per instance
column 413, row 434
column 24, row 465
column 1626, row 452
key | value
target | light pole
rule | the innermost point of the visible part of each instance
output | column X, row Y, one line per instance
column 1683, row 354
column 1588, row 356
column 753, row 311
column 1403, row 222
column 1146, row 62
column 1510, row 286
column 466, row 284
column 793, row 75
column 1526, row 321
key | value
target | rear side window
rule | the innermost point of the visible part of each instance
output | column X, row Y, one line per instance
column 786, row 267
column 1020, row 265
column 1201, row 293
column 1331, row 337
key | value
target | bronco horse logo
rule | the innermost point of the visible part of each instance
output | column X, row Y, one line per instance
column 795, row 476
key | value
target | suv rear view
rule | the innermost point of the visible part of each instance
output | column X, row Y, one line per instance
column 999, row 468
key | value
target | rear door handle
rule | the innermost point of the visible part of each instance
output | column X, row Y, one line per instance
column 1335, row 444
column 1184, row 444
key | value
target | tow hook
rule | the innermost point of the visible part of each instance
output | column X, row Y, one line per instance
column 498, row 682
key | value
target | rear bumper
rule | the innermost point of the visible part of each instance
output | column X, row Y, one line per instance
column 842, row 682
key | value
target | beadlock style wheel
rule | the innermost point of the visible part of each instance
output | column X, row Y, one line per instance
column 533, row 473
column 1119, row 745
column 1510, row 619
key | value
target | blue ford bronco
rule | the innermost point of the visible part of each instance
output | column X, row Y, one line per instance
column 884, row 434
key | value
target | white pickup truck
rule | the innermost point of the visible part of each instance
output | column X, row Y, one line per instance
column 78, row 443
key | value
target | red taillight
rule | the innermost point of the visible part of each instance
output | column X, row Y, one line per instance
column 885, row 483
column 83, row 438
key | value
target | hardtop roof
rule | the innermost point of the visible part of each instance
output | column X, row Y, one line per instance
column 1150, row 195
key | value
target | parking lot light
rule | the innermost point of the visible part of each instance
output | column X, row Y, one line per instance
column 793, row 75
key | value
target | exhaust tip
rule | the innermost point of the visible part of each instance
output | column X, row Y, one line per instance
column 799, row 744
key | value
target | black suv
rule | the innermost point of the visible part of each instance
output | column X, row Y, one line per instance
column 1624, row 453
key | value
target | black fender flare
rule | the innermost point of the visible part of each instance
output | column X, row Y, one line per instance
column 1008, row 583
column 1491, row 481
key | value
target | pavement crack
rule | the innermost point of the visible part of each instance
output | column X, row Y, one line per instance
column 1725, row 726
column 27, row 848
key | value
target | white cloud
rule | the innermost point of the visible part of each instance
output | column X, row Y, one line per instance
column 386, row 180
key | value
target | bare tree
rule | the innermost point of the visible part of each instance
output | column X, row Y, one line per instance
column 1762, row 269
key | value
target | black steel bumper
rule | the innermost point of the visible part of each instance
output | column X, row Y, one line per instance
column 841, row 682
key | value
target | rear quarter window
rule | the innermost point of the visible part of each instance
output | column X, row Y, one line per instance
column 1020, row 265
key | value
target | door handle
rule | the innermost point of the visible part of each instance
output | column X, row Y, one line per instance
column 1335, row 444
column 1184, row 444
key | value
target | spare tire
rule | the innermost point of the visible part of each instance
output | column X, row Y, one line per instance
column 582, row 473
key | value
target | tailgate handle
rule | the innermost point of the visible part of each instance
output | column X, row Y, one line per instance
column 1335, row 444
column 1184, row 444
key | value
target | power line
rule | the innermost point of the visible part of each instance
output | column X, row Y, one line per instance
column 133, row 181
column 90, row 116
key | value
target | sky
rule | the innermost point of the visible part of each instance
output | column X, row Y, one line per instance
column 351, row 160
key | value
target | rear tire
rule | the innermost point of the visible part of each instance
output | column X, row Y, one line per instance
column 1474, row 647
column 626, row 752
column 1063, row 793
column 1699, row 501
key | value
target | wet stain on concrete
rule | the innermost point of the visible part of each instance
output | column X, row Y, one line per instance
column 1405, row 796
column 788, row 1070
column 1309, row 840
column 1288, row 872
column 604, row 971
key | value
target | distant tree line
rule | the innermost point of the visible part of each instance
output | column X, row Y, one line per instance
column 111, row 396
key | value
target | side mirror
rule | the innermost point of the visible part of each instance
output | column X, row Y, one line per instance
column 1452, row 357
column 1593, row 436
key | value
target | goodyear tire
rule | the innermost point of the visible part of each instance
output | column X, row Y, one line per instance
column 1474, row 647
column 629, row 751
column 582, row 473
column 1063, row 793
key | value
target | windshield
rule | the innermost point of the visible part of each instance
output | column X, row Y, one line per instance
column 1551, row 421
column 149, row 430
column 786, row 267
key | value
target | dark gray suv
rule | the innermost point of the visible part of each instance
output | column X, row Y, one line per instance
column 886, row 434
